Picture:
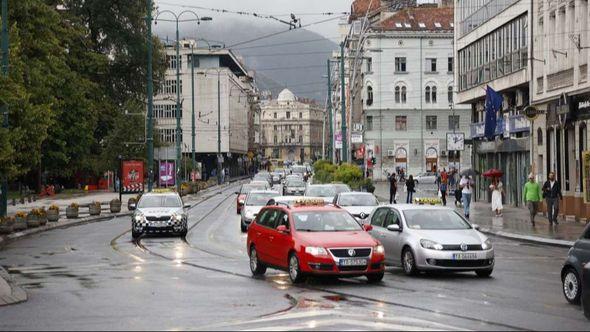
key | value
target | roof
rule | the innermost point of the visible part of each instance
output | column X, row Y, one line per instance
column 420, row 19
column 361, row 7
column 286, row 96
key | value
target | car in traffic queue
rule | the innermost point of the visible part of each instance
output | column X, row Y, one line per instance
column 359, row 204
column 302, row 170
column 430, row 238
column 159, row 213
column 255, row 200
column 327, row 191
column 294, row 187
column 263, row 177
column 277, row 177
column 245, row 189
column 572, row 270
column 310, row 238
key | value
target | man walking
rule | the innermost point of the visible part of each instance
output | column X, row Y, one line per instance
column 392, row 189
column 466, row 185
column 532, row 197
column 552, row 195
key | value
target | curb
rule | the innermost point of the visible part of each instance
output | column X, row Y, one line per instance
column 528, row 238
column 9, row 292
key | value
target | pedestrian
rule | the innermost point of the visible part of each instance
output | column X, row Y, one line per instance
column 466, row 185
column 411, row 188
column 392, row 189
column 443, row 188
column 497, row 190
column 552, row 195
column 532, row 196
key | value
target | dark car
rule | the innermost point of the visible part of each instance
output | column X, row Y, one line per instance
column 571, row 273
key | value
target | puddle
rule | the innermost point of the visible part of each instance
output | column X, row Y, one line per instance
column 335, row 298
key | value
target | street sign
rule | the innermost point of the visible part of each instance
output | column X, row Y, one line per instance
column 531, row 112
column 356, row 138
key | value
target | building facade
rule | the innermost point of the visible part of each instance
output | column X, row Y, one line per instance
column 291, row 129
column 561, row 91
column 409, row 96
column 223, row 90
column 492, row 48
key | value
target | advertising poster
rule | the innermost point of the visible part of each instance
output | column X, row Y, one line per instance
column 586, row 175
column 132, row 176
column 166, row 176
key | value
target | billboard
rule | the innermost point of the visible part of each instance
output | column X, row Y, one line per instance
column 132, row 176
column 166, row 176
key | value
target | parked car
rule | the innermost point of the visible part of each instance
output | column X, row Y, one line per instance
column 254, row 201
column 426, row 178
column 313, row 240
column 294, row 187
column 422, row 238
column 359, row 204
column 245, row 189
column 571, row 273
column 158, row 213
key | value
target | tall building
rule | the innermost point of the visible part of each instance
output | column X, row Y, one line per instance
column 561, row 90
column 492, row 48
column 233, row 102
column 291, row 129
column 409, row 95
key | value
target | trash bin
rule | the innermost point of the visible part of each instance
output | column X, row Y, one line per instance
column 586, row 290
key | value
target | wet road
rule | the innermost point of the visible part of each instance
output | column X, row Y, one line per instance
column 94, row 277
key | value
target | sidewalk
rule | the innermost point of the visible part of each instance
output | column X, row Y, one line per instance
column 514, row 223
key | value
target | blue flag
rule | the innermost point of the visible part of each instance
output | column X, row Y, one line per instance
column 493, row 105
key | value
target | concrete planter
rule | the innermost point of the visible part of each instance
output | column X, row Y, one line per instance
column 20, row 224
column 71, row 212
column 94, row 209
column 33, row 221
column 6, row 228
column 42, row 220
column 52, row 215
column 115, row 206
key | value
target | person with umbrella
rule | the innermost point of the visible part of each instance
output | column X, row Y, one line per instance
column 497, row 189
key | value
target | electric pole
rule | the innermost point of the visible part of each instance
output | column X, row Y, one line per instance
column 150, row 100
column 331, row 127
column 219, row 157
column 344, row 153
column 193, row 133
column 178, row 109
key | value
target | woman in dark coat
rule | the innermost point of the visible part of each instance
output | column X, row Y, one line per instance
column 411, row 187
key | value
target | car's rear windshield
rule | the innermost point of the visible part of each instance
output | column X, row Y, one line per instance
column 321, row 191
column 299, row 169
column 260, row 199
column 435, row 219
column 249, row 187
column 168, row 201
column 325, row 221
column 358, row 200
column 341, row 188
column 295, row 183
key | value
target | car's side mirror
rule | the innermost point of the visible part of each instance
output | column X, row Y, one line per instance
column 282, row 229
column 367, row 227
column 132, row 207
column 187, row 206
column 394, row 228
column 475, row 226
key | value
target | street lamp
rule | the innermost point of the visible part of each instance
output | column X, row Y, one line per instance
column 177, row 19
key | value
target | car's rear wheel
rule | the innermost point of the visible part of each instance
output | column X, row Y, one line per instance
column 294, row 269
column 256, row 266
column 484, row 273
column 409, row 262
column 571, row 286
column 375, row 277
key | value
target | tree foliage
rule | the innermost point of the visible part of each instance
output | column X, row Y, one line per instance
column 73, row 74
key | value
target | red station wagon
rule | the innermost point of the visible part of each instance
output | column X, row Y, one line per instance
column 310, row 238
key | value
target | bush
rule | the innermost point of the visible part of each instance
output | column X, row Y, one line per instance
column 348, row 173
column 323, row 176
column 324, row 165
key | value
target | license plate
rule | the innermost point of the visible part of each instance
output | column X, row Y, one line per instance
column 159, row 225
column 464, row 256
column 353, row 262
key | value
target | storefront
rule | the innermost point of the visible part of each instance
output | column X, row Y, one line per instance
column 431, row 152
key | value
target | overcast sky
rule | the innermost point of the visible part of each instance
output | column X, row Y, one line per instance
column 270, row 7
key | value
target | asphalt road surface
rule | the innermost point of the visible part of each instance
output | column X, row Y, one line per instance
column 93, row 277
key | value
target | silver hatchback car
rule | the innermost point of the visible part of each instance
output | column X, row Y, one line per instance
column 422, row 238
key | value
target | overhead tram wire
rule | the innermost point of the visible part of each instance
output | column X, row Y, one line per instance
column 252, row 14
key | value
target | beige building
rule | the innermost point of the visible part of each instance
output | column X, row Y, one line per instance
column 291, row 129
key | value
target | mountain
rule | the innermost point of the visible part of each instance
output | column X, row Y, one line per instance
column 293, row 59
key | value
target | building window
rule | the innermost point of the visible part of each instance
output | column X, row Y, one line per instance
column 300, row 127
column 539, row 136
column 401, row 123
column 434, row 100
column 275, row 153
column 275, row 140
column 288, row 115
column 431, row 122
column 431, row 65
column 172, row 63
column 454, row 122
column 400, row 65
column 450, row 65
column 166, row 111
column 275, row 115
column 404, row 95
column 189, row 60
column 300, row 139
column 369, row 122
column 301, row 115
column 397, row 95
column 275, row 127
column 369, row 95
column 427, row 95
column 450, row 95
column 369, row 65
